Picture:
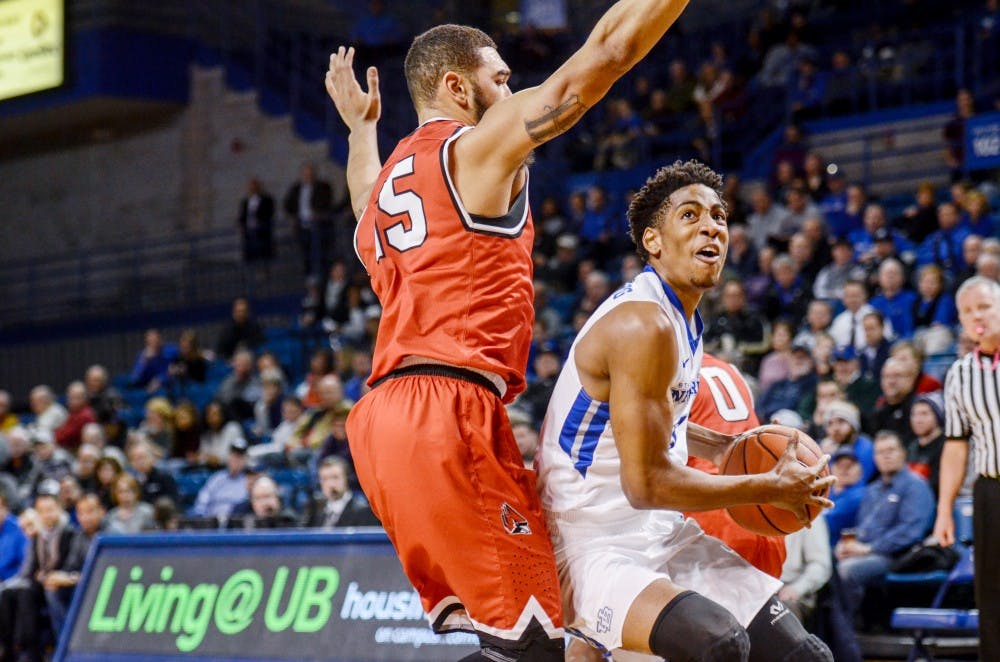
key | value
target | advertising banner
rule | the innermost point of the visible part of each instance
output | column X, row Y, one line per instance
column 32, row 46
column 982, row 142
column 261, row 596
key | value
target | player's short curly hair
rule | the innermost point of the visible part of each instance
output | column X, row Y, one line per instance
column 653, row 198
column 441, row 49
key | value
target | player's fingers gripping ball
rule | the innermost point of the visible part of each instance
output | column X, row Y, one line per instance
column 757, row 451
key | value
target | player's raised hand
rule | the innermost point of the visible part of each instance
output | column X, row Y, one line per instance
column 798, row 485
column 356, row 106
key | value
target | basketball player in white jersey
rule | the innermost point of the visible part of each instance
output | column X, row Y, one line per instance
column 635, row 575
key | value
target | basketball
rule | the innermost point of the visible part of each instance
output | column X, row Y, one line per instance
column 757, row 451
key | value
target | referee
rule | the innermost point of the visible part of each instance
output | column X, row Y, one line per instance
column 972, row 413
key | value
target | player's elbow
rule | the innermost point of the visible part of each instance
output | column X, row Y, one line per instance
column 640, row 490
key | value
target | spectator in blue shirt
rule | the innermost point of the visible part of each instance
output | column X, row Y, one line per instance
column 933, row 305
column 12, row 541
column 226, row 488
column 895, row 301
column 152, row 366
column 896, row 512
column 876, row 229
column 977, row 218
column 943, row 247
column 846, row 493
column 843, row 430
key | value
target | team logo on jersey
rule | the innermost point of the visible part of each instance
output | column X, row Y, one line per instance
column 684, row 391
column 604, row 619
column 514, row 522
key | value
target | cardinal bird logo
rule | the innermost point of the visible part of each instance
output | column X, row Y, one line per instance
column 514, row 522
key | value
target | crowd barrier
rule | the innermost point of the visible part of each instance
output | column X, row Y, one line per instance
column 283, row 595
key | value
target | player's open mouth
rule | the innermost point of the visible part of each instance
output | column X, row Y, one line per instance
column 709, row 254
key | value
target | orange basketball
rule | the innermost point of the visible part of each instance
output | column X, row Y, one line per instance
column 757, row 451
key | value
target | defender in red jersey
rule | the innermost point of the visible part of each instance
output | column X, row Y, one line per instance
column 445, row 234
column 724, row 404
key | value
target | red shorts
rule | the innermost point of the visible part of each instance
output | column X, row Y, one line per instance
column 437, row 459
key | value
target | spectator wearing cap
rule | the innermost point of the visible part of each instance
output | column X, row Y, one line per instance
column 896, row 513
column 846, row 493
column 892, row 409
column 887, row 246
column 12, row 540
column 226, row 488
column 130, row 514
column 547, row 363
column 51, row 462
column 830, row 281
column 789, row 418
column 843, row 430
column 874, row 354
column 561, row 269
column 786, row 393
column 49, row 414
column 79, row 414
column 859, row 390
column 154, row 483
column 894, row 301
column 336, row 504
column 927, row 434
column 847, row 327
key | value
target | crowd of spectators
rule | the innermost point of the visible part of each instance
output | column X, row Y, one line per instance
column 831, row 304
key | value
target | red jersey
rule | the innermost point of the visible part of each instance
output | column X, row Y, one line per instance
column 723, row 403
column 454, row 286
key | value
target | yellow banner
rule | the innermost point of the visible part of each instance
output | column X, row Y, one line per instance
column 32, row 45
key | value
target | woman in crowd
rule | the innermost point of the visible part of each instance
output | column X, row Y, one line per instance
column 130, row 514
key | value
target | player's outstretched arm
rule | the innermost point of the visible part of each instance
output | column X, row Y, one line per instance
column 510, row 129
column 360, row 111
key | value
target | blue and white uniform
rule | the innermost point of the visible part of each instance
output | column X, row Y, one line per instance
column 607, row 551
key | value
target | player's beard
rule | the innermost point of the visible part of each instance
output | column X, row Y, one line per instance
column 479, row 107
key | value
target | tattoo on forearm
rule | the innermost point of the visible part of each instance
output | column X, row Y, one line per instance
column 555, row 120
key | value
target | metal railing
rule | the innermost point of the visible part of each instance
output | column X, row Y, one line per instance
column 149, row 276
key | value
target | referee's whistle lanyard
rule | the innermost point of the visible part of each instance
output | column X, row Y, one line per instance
column 993, row 364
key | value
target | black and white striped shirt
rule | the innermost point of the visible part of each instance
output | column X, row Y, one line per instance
column 972, row 409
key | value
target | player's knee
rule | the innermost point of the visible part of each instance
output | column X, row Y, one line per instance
column 692, row 628
column 776, row 634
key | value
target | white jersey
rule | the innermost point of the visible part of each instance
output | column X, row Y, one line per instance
column 578, row 464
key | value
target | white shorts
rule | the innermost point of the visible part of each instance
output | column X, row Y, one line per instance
column 601, row 573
